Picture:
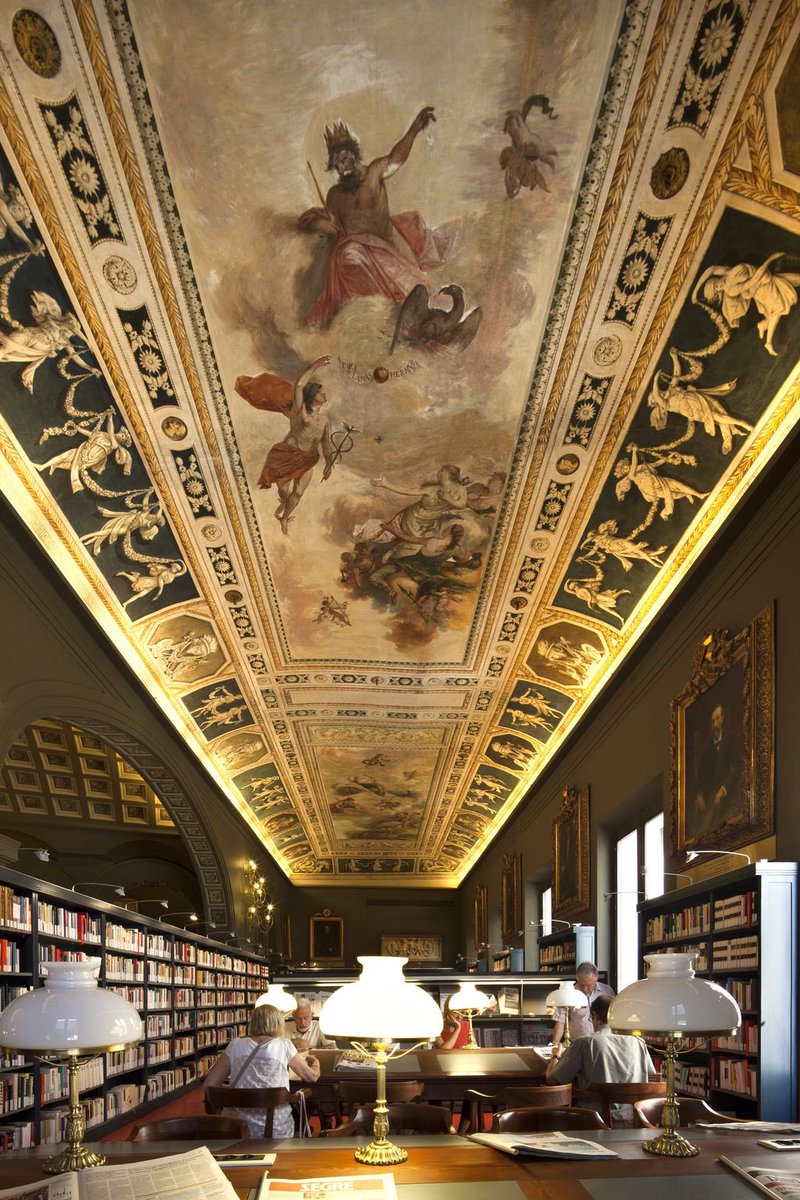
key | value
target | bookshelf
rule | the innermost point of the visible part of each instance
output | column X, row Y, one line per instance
column 193, row 995
column 519, row 1018
column 743, row 926
column 560, row 953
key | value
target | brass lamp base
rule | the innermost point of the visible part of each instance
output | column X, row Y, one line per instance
column 380, row 1153
column 671, row 1144
column 74, row 1158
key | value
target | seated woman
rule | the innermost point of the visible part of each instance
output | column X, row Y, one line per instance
column 455, row 1033
column 262, row 1059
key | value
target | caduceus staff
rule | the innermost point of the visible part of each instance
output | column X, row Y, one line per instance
column 343, row 442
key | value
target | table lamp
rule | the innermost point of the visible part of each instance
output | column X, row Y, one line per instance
column 567, row 996
column 379, row 1008
column 277, row 997
column 672, row 1003
column 69, row 1022
column 468, row 1001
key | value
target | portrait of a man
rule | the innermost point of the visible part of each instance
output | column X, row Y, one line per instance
column 714, row 757
column 326, row 938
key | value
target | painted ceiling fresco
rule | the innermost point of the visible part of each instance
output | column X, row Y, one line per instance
column 374, row 375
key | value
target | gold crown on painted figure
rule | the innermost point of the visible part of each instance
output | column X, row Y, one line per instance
column 337, row 136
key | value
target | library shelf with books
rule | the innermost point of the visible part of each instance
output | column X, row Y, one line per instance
column 560, row 953
column 518, row 1018
column 743, row 927
column 193, row 995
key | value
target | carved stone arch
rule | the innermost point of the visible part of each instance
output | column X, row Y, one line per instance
column 208, row 864
column 209, row 867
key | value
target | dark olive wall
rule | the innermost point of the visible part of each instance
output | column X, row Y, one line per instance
column 623, row 754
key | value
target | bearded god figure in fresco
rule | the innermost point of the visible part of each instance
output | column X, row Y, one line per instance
column 375, row 253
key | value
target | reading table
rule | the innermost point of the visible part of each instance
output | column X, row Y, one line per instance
column 442, row 1168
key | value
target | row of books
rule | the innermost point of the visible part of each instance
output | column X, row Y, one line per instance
column 16, row 1135
column 53, row 1123
column 158, row 1025
column 744, row 992
column 9, row 956
column 120, row 1061
column 734, row 1075
column 745, row 1040
column 15, row 910
column 65, row 923
column 9, row 992
column 134, row 995
column 16, row 1091
column 732, row 911
column 164, row 1082
column 561, row 952
column 736, row 953
column 691, row 920
column 54, row 1081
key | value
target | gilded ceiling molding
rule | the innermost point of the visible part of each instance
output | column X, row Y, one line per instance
column 668, row 297
column 758, row 184
column 654, row 61
column 130, row 169
column 33, row 179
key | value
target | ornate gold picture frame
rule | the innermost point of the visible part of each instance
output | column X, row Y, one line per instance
column 326, row 939
column 480, row 917
column 511, row 897
column 571, row 854
column 722, row 734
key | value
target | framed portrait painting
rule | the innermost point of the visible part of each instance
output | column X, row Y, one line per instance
column 511, row 898
column 722, row 741
column 326, row 939
column 571, row 854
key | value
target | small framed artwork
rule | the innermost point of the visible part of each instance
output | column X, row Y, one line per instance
column 417, row 948
column 480, row 917
column 571, row 854
column 722, row 732
column 511, row 897
column 326, row 939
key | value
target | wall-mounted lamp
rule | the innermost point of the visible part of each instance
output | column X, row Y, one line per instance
column 555, row 921
column 40, row 852
column 260, row 908
column 95, row 883
column 608, row 895
column 169, row 917
column 691, row 855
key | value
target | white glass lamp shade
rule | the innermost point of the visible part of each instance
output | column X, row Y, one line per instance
column 277, row 997
column 672, row 1000
column 468, row 998
column 70, row 1013
column 381, row 1006
column 566, row 995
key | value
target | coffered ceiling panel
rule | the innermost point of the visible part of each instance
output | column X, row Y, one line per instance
column 375, row 374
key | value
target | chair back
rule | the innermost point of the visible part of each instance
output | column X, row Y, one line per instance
column 194, row 1129
column 648, row 1114
column 350, row 1095
column 403, row 1118
column 558, row 1095
column 607, row 1094
column 267, row 1099
column 546, row 1120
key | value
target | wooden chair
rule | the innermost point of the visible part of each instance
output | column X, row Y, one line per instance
column 265, row 1099
column 403, row 1118
column 607, row 1094
column 350, row 1096
column 546, row 1120
column 192, row 1129
column 647, row 1114
column 557, row 1095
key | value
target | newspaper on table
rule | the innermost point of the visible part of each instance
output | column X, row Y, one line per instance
column 780, row 1185
column 343, row 1187
column 544, row 1145
column 749, row 1126
column 191, row 1176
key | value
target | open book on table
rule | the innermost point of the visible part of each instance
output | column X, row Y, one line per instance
column 190, row 1176
column 544, row 1145
column 780, row 1185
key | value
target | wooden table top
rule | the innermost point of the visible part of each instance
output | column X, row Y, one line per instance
column 453, row 1160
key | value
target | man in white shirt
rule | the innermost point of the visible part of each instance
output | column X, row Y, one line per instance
column 304, row 1031
column 580, row 1023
